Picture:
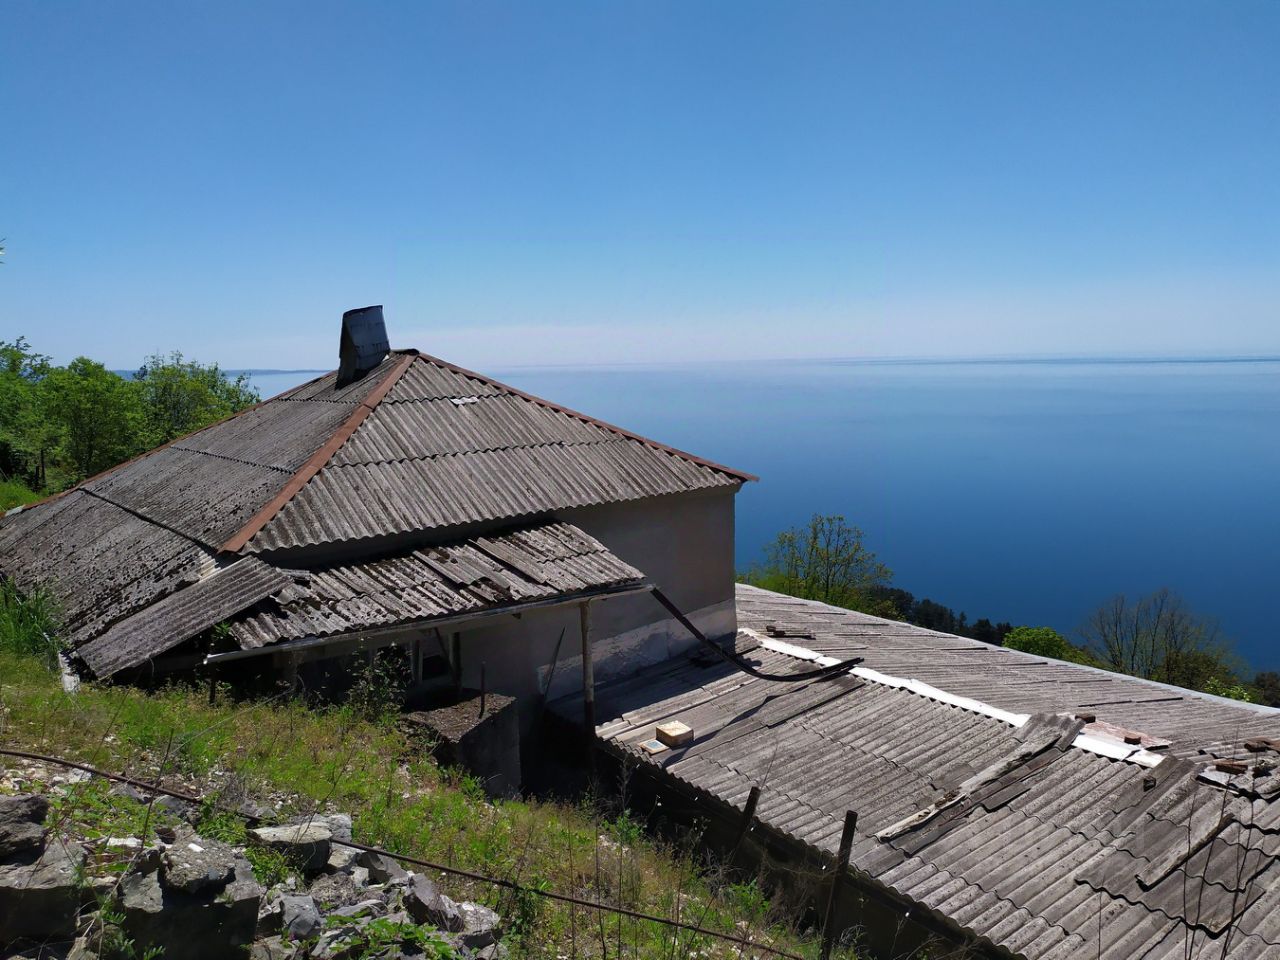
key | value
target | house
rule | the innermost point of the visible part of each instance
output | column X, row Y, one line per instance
column 397, row 501
column 1007, row 805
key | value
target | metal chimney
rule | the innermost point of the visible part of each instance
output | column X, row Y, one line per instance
column 364, row 343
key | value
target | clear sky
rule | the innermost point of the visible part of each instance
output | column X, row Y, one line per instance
column 555, row 182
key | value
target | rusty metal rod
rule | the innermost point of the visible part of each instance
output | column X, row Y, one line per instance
column 416, row 861
column 820, row 674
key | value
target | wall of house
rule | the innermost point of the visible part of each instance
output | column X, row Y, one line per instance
column 684, row 544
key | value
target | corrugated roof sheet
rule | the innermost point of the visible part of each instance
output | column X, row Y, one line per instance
column 416, row 445
column 131, row 536
column 1037, row 847
column 533, row 563
column 182, row 615
column 447, row 447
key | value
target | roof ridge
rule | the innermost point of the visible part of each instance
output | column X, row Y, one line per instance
column 313, row 465
column 586, row 418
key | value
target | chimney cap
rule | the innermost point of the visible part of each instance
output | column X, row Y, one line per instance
column 363, row 344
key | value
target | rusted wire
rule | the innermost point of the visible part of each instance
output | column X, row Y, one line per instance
column 417, row 861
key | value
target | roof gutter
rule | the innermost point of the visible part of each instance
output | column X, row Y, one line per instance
column 386, row 636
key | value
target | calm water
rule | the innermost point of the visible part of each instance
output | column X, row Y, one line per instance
column 1027, row 491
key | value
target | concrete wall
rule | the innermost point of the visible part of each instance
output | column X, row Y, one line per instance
column 684, row 544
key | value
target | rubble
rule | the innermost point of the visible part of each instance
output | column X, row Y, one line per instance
column 22, row 824
column 306, row 844
column 40, row 893
column 196, row 898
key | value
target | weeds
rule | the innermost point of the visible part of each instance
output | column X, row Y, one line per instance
column 305, row 761
column 28, row 624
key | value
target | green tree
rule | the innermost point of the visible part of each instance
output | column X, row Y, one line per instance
column 1268, row 686
column 1045, row 642
column 179, row 396
column 22, row 450
column 826, row 560
column 1158, row 637
column 96, row 412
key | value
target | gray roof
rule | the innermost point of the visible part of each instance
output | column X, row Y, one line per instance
column 996, row 815
column 183, row 615
column 417, row 446
column 448, row 447
column 498, row 570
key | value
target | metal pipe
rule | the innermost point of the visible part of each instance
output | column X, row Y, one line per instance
column 821, row 674
column 588, row 682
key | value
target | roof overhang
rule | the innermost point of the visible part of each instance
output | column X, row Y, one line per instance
column 319, row 648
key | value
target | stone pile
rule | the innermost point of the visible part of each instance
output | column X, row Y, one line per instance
column 39, row 879
column 198, row 898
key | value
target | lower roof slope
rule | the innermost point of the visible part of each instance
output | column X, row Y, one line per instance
column 537, row 562
column 262, row 604
column 996, row 816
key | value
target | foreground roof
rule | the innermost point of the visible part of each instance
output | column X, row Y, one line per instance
column 416, row 448
column 1029, row 805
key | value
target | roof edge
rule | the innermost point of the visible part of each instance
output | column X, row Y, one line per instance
column 165, row 446
column 586, row 418
column 316, row 462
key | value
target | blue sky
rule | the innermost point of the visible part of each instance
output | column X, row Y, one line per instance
column 601, row 182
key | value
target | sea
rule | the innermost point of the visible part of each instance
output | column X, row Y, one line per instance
column 1029, row 491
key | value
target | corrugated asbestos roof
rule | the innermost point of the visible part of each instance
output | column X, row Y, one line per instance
column 1009, row 833
column 448, row 447
column 415, row 445
column 182, row 615
column 497, row 570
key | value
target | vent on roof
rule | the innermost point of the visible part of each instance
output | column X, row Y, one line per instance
column 364, row 343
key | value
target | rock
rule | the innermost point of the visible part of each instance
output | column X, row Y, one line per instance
column 39, row 898
column 495, row 951
column 481, row 926
column 193, row 864
column 365, row 908
column 208, row 924
column 272, row 948
column 256, row 811
column 129, row 792
column 337, row 890
column 82, row 949
column 301, row 918
column 382, row 869
column 426, row 904
column 21, row 824
column 270, row 914
column 341, row 859
column 339, row 824
column 305, row 844
column 360, row 876
column 176, row 809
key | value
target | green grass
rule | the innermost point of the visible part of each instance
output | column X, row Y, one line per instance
column 14, row 493
column 28, row 624
column 304, row 760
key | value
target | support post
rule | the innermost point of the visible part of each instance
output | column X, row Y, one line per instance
column 748, row 815
column 837, row 878
column 588, row 682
